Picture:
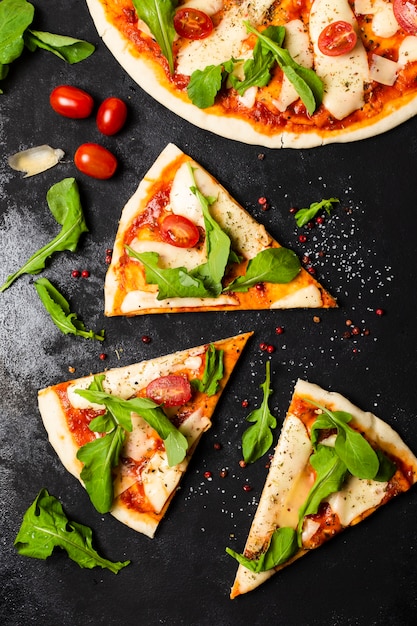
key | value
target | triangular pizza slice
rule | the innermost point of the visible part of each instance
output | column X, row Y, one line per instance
column 184, row 244
column 333, row 465
column 128, row 434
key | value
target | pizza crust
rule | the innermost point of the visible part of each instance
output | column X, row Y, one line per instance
column 213, row 120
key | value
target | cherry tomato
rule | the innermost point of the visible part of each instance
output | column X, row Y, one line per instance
column 172, row 390
column 405, row 12
column 71, row 102
column 111, row 116
column 192, row 24
column 179, row 231
column 95, row 161
column 337, row 38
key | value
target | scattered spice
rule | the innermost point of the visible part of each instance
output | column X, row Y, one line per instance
column 316, row 319
column 75, row 273
column 85, row 274
column 217, row 446
column 223, row 473
column 245, row 403
column 208, row 474
column 242, row 463
column 279, row 330
column 103, row 356
column 247, row 488
column 146, row 339
column 379, row 312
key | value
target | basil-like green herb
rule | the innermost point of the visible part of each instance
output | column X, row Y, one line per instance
column 305, row 81
column 213, row 372
column 204, row 85
column 60, row 312
column 158, row 16
column 274, row 265
column 258, row 438
column 282, row 546
column 101, row 455
column 46, row 527
column 64, row 203
column 303, row 216
column 15, row 18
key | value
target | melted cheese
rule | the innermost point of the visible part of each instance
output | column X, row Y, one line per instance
column 343, row 76
column 226, row 41
column 383, row 70
column 308, row 297
column 356, row 497
column 136, row 300
column 169, row 255
column 407, row 52
column 384, row 23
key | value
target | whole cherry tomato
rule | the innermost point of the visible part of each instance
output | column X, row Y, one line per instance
column 111, row 116
column 192, row 24
column 405, row 12
column 71, row 101
column 95, row 161
column 172, row 390
column 179, row 231
column 337, row 38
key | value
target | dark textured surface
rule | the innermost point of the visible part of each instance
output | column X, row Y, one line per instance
column 366, row 576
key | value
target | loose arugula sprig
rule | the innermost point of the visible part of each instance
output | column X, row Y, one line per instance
column 274, row 265
column 282, row 545
column 303, row 216
column 63, row 200
column 15, row 18
column 46, row 527
column 158, row 16
column 213, row 372
column 60, row 312
column 258, row 438
column 101, row 455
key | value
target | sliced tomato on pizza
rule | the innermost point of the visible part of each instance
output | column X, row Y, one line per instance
column 128, row 434
column 184, row 244
column 334, row 465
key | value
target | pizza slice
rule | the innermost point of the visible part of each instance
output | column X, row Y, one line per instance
column 334, row 465
column 184, row 244
column 128, row 434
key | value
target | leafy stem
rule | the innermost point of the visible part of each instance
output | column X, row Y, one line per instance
column 258, row 438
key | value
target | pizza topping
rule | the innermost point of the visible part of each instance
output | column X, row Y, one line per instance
column 35, row 160
column 71, row 102
column 63, row 200
column 213, row 372
column 258, row 438
column 96, row 161
column 383, row 70
column 304, row 216
column 173, row 390
column 192, row 23
column 159, row 17
column 45, row 527
column 179, row 231
column 405, row 12
column 111, row 116
column 337, row 38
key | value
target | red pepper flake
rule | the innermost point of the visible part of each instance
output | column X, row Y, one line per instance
column 261, row 156
column 242, row 463
column 262, row 200
column 263, row 346
column 85, row 274
column 302, row 238
column 108, row 259
column 102, row 356
column 223, row 473
column 146, row 339
column 356, row 330
column 319, row 220
column 270, row 349
column 217, row 446
column 316, row 319
column 247, row 488
column 245, row 403
column 208, row 474
column 379, row 312
column 75, row 273
column 311, row 270
column 279, row 330
column 293, row 210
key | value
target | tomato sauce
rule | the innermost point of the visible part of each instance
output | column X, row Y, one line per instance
column 78, row 420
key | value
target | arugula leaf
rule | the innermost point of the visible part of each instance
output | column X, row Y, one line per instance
column 258, row 438
column 204, row 85
column 282, row 546
column 303, row 216
column 64, row 203
column 305, row 81
column 213, row 372
column 45, row 527
column 59, row 310
column 331, row 472
column 274, row 265
column 175, row 282
column 66, row 48
column 158, row 16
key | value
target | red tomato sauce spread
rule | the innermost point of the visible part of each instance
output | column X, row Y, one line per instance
column 78, row 420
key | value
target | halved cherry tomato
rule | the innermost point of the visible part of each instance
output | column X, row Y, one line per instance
column 71, row 101
column 111, row 116
column 95, row 161
column 192, row 24
column 179, row 231
column 405, row 12
column 172, row 390
column 337, row 38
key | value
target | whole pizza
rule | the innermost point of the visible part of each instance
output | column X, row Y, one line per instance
column 283, row 73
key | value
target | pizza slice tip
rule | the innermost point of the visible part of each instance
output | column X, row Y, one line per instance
column 333, row 466
column 146, row 411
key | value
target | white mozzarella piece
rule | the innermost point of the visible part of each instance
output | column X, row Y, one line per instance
column 407, row 52
column 207, row 6
column 357, row 497
column 384, row 23
column 298, row 45
column 343, row 76
column 249, row 97
column 383, row 70
column 171, row 256
column 226, row 40
column 182, row 200
column 364, row 7
column 308, row 297
column 136, row 300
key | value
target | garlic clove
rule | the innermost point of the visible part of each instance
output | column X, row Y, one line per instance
column 35, row 160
